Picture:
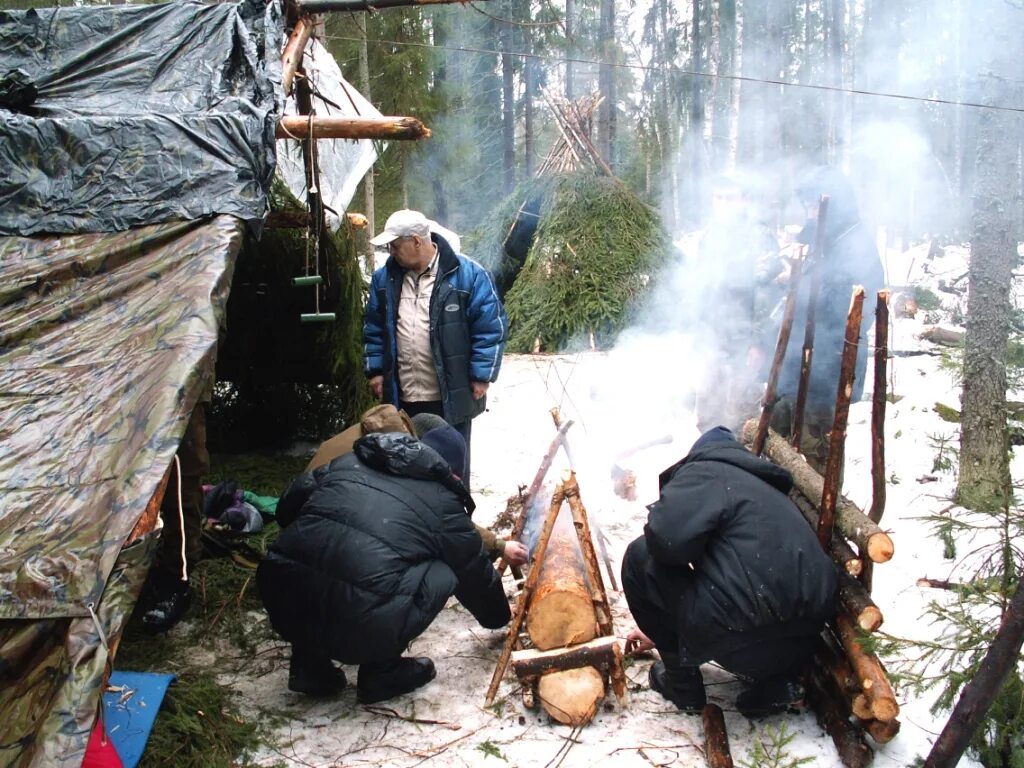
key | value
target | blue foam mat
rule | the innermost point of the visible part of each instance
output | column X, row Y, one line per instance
column 131, row 711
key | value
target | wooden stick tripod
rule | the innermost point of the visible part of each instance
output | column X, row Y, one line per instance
column 604, row 652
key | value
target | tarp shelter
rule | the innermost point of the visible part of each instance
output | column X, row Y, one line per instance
column 136, row 142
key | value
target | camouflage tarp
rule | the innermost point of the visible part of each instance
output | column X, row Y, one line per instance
column 107, row 341
column 122, row 116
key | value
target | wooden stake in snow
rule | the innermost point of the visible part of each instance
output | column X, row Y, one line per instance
column 837, row 437
column 817, row 267
column 781, row 345
column 716, row 739
column 878, row 401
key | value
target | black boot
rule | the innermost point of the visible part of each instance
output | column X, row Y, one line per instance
column 314, row 674
column 169, row 603
column 771, row 696
column 385, row 680
column 683, row 686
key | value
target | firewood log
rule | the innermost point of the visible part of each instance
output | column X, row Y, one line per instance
column 854, row 751
column 532, row 663
column 561, row 611
column 858, row 603
column 716, row 739
column 572, row 696
column 851, row 522
column 386, row 128
column 841, row 552
column 869, row 671
column 947, row 337
column 881, row 731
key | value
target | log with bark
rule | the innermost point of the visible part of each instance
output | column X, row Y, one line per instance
column 561, row 611
column 869, row 671
column 947, row 337
column 716, row 738
column 848, row 737
column 388, row 128
column 881, row 731
column 293, row 50
column 595, row 584
column 841, row 552
column 837, row 436
column 858, row 603
column 599, row 653
column 851, row 522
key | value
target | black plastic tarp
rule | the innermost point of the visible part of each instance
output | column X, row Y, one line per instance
column 141, row 114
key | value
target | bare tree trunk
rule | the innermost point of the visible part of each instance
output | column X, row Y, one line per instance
column 984, row 480
column 364, row 88
column 529, row 139
column 508, row 113
column 723, row 83
column 606, row 82
column 570, row 18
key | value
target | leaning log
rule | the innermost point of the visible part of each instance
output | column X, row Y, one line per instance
column 561, row 612
column 716, row 739
column 841, row 552
column 853, row 750
column 852, row 523
column 869, row 671
column 533, row 663
column 389, row 128
column 780, row 353
column 858, row 603
column 837, row 437
column 947, row 337
column 293, row 50
column 572, row 696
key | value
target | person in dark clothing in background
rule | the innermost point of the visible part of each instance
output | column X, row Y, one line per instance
column 434, row 329
column 849, row 258
column 373, row 545
column 729, row 570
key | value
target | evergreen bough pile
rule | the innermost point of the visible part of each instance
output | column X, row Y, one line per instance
column 595, row 252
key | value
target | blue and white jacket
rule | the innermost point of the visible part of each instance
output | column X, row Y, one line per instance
column 468, row 330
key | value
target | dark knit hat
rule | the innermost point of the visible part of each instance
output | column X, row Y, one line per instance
column 714, row 435
column 424, row 422
column 450, row 444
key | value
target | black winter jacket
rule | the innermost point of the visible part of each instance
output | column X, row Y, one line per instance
column 746, row 564
column 374, row 544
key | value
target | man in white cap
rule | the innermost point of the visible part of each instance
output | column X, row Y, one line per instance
column 435, row 328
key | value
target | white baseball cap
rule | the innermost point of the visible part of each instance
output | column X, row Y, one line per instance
column 404, row 223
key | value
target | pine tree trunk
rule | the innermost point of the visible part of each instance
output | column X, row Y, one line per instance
column 695, row 138
column 724, row 85
column 529, row 139
column 570, row 30
column 606, row 82
column 369, row 208
column 984, row 480
column 508, row 114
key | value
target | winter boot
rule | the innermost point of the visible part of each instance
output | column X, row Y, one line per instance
column 169, row 603
column 385, row 680
column 314, row 675
column 771, row 696
column 683, row 686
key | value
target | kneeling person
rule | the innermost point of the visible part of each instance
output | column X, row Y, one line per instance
column 374, row 544
column 728, row 569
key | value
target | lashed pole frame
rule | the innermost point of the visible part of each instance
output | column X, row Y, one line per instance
column 771, row 388
column 807, row 353
column 837, row 437
column 320, row 6
column 878, row 402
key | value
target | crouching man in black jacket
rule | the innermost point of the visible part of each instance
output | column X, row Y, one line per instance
column 374, row 544
column 727, row 569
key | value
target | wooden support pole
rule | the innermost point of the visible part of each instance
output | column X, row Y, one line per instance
column 593, row 571
column 524, row 597
column 868, row 668
column 291, row 59
column 321, row 6
column 531, row 493
column 837, row 437
column 878, row 401
column 842, row 553
column 807, row 353
column 595, row 653
column 388, row 128
column 851, row 522
column 716, row 739
column 771, row 389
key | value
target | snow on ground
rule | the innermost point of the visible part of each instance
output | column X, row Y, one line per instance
column 619, row 400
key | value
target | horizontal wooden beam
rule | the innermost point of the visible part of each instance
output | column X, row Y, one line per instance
column 320, row 6
column 383, row 128
column 533, row 663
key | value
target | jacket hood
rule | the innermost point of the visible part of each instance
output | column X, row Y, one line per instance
column 728, row 451
column 400, row 454
column 842, row 203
